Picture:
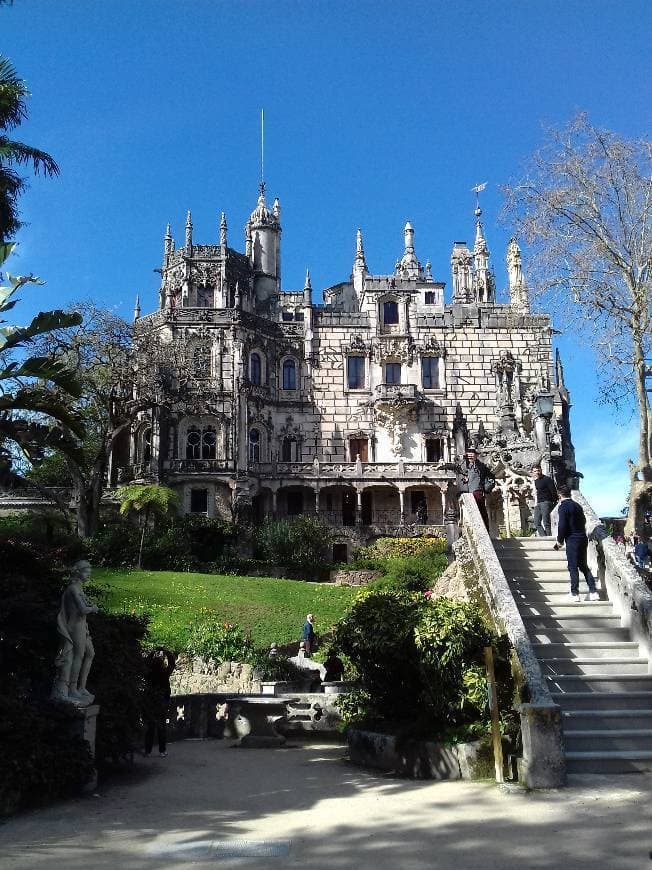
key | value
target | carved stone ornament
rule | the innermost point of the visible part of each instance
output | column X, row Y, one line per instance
column 356, row 345
column 431, row 347
column 401, row 349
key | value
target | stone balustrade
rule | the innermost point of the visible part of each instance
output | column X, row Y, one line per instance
column 544, row 764
column 629, row 594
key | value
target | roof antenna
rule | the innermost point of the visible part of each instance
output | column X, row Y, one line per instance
column 262, row 152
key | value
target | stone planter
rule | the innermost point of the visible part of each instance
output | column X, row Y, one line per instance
column 420, row 759
column 273, row 688
column 338, row 687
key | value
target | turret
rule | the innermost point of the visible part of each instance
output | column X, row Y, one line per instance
column 462, row 274
column 359, row 265
column 263, row 237
column 189, row 233
column 409, row 266
column 518, row 293
column 307, row 290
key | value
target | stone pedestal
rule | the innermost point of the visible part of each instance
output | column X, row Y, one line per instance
column 543, row 764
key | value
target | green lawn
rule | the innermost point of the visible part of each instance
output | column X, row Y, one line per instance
column 271, row 609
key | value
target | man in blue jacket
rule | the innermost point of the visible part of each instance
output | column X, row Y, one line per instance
column 572, row 531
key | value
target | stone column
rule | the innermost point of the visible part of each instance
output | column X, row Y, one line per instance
column 317, row 502
column 443, row 505
column 358, row 506
column 274, row 493
column 401, row 499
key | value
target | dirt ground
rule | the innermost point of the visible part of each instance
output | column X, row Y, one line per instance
column 305, row 806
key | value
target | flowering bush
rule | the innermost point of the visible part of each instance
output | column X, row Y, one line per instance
column 211, row 639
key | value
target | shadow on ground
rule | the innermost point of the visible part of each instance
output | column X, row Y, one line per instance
column 313, row 809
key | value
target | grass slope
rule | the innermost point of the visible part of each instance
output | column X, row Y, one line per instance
column 271, row 609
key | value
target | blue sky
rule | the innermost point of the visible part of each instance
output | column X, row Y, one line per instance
column 376, row 113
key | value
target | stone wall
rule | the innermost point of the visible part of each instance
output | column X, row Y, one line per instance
column 199, row 677
column 354, row 578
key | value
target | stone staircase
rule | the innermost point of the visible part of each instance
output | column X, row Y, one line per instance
column 594, row 670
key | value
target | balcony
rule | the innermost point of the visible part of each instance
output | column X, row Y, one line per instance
column 395, row 398
column 332, row 472
column 198, row 466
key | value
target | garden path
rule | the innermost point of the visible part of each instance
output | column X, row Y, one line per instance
column 207, row 804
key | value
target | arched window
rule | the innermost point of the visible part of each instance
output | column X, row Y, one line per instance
column 146, row 451
column 208, row 443
column 289, row 375
column 254, row 445
column 193, row 443
column 255, row 369
column 201, row 361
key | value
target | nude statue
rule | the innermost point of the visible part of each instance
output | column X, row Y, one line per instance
column 76, row 651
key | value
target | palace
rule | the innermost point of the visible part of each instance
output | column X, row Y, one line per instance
column 357, row 409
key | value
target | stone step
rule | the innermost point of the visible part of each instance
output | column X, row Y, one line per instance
column 592, row 666
column 606, row 720
column 545, row 597
column 563, row 636
column 604, row 682
column 586, row 649
column 600, row 701
column 572, row 621
column 608, row 762
column 547, row 558
column 627, row 740
column 576, row 609
column 541, row 574
column 535, row 585
column 535, row 545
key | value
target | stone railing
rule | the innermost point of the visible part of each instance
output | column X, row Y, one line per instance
column 440, row 471
column 396, row 391
column 196, row 466
column 544, row 764
column 627, row 591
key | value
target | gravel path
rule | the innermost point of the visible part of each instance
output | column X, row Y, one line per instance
column 209, row 804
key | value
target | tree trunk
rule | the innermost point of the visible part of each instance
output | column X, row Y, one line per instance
column 640, row 490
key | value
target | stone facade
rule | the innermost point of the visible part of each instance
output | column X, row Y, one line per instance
column 355, row 409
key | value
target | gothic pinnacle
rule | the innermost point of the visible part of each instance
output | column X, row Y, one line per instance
column 137, row 307
column 188, row 230
column 223, row 229
column 360, row 262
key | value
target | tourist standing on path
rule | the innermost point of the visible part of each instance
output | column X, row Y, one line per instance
column 572, row 531
column 160, row 664
column 308, row 635
column 477, row 479
column 546, row 499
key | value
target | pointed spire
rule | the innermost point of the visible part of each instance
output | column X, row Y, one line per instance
column 188, row 230
column 480, row 246
column 137, row 308
column 559, row 370
column 168, row 244
column 360, row 263
column 276, row 208
column 307, row 290
column 518, row 292
column 223, row 230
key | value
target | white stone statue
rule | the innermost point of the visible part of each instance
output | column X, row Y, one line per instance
column 76, row 652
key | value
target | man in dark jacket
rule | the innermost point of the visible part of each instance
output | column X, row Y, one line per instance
column 477, row 479
column 572, row 532
column 546, row 499
column 308, row 635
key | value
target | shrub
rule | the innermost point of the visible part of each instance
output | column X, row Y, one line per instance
column 277, row 668
column 182, row 544
column 222, row 642
column 301, row 544
column 40, row 759
column 30, row 590
column 408, row 564
column 420, row 663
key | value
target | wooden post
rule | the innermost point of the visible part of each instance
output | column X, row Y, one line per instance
column 495, row 718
